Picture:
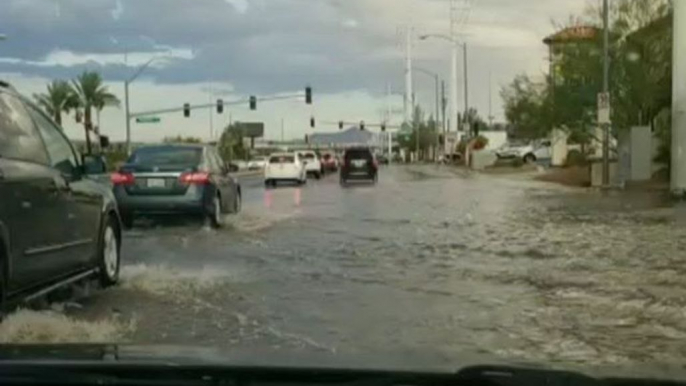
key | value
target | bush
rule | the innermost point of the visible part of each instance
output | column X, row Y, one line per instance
column 518, row 162
column 576, row 158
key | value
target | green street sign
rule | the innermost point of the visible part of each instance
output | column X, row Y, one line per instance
column 148, row 120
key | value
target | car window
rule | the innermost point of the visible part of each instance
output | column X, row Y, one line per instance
column 282, row 159
column 166, row 156
column 60, row 152
column 18, row 136
column 358, row 154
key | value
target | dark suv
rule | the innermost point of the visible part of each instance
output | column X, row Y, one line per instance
column 359, row 164
column 57, row 225
column 188, row 179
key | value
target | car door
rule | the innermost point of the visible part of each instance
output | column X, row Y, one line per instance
column 543, row 150
column 30, row 210
column 220, row 175
column 80, row 207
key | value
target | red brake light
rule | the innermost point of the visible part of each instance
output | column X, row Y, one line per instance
column 125, row 179
column 199, row 178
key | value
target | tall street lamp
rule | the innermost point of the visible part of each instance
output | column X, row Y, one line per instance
column 454, row 86
column 126, row 100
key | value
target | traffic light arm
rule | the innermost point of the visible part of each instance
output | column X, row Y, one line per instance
column 211, row 105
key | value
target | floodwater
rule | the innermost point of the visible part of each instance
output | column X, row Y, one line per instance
column 429, row 263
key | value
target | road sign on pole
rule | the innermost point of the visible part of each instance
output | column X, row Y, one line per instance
column 148, row 120
column 604, row 108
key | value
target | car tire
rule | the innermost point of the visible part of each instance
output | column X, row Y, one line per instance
column 529, row 158
column 126, row 219
column 216, row 216
column 268, row 183
column 109, row 253
column 318, row 175
column 237, row 203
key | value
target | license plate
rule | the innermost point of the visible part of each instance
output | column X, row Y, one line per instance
column 359, row 163
column 156, row 183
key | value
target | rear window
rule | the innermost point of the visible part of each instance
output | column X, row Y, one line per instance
column 165, row 156
column 358, row 154
column 282, row 159
column 308, row 155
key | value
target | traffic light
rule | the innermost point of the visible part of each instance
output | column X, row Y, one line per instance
column 220, row 106
column 253, row 103
column 308, row 95
column 383, row 127
column 362, row 125
column 312, row 122
column 340, row 125
column 186, row 110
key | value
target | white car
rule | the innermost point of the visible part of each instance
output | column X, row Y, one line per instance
column 285, row 167
column 312, row 163
column 257, row 163
column 530, row 152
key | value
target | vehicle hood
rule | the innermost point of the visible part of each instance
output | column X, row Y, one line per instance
column 167, row 355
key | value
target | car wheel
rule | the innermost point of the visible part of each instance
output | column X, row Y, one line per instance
column 216, row 217
column 317, row 175
column 237, row 203
column 529, row 158
column 268, row 183
column 109, row 253
column 126, row 219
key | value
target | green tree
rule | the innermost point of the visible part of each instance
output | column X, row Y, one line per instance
column 91, row 94
column 527, row 107
column 59, row 98
column 231, row 145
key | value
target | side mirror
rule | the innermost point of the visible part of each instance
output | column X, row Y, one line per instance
column 94, row 164
column 104, row 142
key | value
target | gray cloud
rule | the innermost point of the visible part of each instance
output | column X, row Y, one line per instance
column 259, row 46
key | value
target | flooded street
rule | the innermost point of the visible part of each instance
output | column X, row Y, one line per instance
column 429, row 263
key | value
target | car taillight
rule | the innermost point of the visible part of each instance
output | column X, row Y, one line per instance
column 125, row 179
column 195, row 178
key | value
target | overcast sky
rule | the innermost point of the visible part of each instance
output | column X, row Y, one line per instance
column 349, row 51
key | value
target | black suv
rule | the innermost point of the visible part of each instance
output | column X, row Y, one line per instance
column 57, row 226
column 359, row 164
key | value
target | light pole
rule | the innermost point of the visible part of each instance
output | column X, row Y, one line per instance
column 126, row 100
column 453, row 70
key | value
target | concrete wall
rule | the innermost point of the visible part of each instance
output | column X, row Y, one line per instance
column 496, row 139
column 641, row 153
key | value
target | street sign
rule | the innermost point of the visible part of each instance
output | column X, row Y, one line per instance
column 148, row 120
column 604, row 108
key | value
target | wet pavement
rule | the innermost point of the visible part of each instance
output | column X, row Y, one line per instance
column 431, row 262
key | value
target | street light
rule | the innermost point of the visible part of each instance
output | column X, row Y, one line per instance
column 126, row 99
column 453, row 102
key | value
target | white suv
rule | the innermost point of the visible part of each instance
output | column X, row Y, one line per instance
column 313, row 165
column 284, row 167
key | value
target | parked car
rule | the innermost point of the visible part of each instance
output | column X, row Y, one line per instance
column 285, row 167
column 359, row 164
column 313, row 165
column 57, row 226
column 189, row 179
column 329, row 162
column 527, row 152
column 257, row 163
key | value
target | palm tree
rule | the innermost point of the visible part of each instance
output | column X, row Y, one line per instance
column 91, row 93
column 59, row 98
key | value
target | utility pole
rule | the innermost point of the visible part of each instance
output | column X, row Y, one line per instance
column 211, row 115
column 282, row 132
column 606, row 89
column 490, row 100
column 678, row 180
column 466, row 88
column 409, row 96
column 128, row 118
column 444, row 105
